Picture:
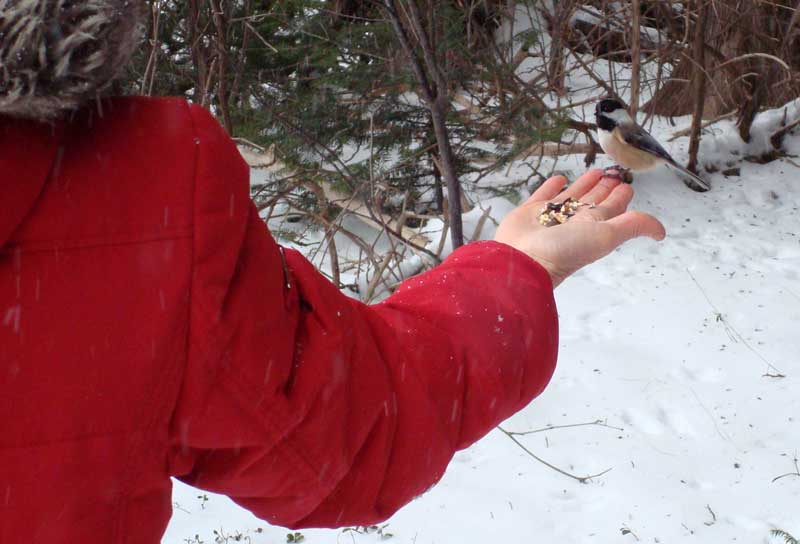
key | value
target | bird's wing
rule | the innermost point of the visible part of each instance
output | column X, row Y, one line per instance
column 639, row 138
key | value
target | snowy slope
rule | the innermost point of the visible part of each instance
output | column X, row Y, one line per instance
column 667, row 344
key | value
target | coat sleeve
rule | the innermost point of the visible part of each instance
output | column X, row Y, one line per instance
column 312, row 409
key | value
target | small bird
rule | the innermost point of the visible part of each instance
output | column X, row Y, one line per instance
column 631, row 146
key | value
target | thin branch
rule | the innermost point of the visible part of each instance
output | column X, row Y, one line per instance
column 152, row 61
column 581, row 479
column 795, row 473
column 688, row 131
column 777, row 139
column 597, row 423
column 736, row 335
column 754, row 55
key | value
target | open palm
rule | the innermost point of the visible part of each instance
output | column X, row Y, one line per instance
column 591, row 234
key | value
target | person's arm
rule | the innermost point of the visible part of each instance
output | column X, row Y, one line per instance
column 312, row 409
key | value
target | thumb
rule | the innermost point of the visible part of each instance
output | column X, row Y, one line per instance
column 631, row 225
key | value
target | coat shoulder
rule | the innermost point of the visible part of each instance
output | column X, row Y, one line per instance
column 132, row 161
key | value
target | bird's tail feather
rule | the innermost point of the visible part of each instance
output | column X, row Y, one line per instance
column 692, row 180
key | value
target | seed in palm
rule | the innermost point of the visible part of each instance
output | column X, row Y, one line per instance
column 555, row 213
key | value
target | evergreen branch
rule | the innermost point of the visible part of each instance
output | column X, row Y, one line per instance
column 789, row 539
column 347, row 175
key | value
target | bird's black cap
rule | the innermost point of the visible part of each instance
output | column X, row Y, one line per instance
column 607, row 105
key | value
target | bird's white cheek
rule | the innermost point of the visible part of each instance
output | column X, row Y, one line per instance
column 604, row 138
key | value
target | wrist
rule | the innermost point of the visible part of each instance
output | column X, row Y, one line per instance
column 552, row 272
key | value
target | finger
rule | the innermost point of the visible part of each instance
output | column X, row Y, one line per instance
column 616, row 203
column 601, row 191
column 548, row 190
column 631, row 225
column 582, row 185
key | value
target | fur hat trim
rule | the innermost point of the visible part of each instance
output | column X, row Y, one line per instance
column 57, row 54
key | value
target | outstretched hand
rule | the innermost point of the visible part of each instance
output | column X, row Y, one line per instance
column 591, row 234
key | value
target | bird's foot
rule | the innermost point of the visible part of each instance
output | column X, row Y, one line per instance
column 618, row 172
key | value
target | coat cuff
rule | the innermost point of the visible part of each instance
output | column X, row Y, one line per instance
column 505, row 255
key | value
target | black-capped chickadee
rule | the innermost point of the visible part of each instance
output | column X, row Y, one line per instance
column 632, row 147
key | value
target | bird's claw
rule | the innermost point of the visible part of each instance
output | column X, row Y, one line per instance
column 616, row 172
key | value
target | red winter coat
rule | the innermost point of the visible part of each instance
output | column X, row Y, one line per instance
column 149, row 328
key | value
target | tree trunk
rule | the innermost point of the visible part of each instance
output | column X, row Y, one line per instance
column 636, row 53
column 559, row 23
column 699, row 83
column 221, row 25
column 434, row 91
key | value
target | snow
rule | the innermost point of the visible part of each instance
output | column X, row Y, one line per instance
column 678, row 371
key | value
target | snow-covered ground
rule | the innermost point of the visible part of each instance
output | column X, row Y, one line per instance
column 687, row 352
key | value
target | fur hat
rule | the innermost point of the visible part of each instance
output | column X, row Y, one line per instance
column 56, row 54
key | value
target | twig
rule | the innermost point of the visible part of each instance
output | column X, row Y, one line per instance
column 777, row 139
column 557, row 150
column 688, row 131
column 790, row 161
column 713, row 517
column 598, row 423
column 581, row 479
column 152, row 61
column 481, row 222
column 179, row 507
column 754, row 55
column 373, row 283
column 713, row 420
column 443, row 239
column 260, row 37
column 627, row 531
column 795, row 473
column 737, row 336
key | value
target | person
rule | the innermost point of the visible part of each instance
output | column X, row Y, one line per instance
column 150, row 327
